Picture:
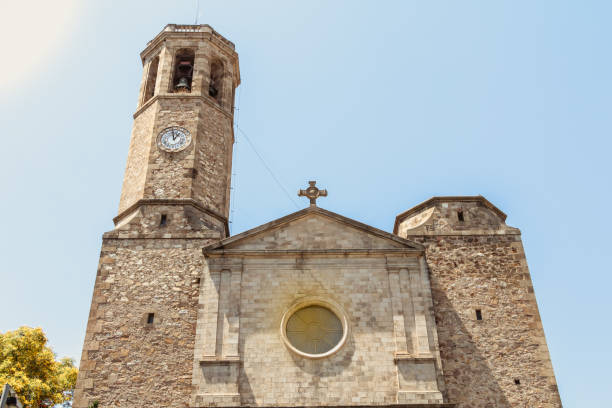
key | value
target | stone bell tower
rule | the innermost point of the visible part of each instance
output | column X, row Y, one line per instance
column 175, row 200
column 179, row 162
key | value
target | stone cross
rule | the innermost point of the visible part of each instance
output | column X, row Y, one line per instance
column 312, row 192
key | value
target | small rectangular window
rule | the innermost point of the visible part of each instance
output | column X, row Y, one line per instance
column 150, row 318
column 460, row 216
column 517, row 381
column 478, row 314
column 163, row 220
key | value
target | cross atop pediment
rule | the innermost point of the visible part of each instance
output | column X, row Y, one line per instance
column 312, row 192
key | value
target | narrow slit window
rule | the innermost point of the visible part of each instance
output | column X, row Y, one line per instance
column 150, row 318
column 478, row 314
column 163, row 220
column 460, row 216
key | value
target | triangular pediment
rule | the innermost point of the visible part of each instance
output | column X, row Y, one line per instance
column 314, row 229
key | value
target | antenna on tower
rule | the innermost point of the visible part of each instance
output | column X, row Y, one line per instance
column 197, row 11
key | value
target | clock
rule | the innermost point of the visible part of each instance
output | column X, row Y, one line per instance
column 174, row 139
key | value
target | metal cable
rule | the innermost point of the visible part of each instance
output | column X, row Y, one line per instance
column 267, row 167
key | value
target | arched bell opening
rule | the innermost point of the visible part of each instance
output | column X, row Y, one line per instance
column 183, row 71
column 215, row 83
column 151, row 80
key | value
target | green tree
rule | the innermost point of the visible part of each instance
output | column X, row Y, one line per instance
column 28, row 364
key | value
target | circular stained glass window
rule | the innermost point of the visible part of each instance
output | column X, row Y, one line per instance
column 314, row 330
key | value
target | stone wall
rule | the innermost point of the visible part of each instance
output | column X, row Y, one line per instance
column 126, row 361
column 363, row 371
column 213, row 159
column 181, row 219
column 169, row 175
column 479, row 264
column 391, row 354
column 138, row 157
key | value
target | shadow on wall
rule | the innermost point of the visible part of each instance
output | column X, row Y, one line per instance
column 317, row 368
column 327, row 367
column 244, row 389
column 469, row 381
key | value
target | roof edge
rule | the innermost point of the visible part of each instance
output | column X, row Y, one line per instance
column 195, row 30
column 317, row 210
column 439, row 199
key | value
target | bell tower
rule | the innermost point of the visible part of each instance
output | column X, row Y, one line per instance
column 177, row 177
column 174, row 201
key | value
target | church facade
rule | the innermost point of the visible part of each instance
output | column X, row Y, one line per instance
column 311, row 309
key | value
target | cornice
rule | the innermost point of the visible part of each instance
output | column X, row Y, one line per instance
column 202, row 98
column 176, row 201
column 194, row 32
column 213, row 253
column 480, row 233
column 204, row 31
column 442, row 199
column 316, row 210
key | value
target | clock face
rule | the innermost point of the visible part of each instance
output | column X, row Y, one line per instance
column 174, row 139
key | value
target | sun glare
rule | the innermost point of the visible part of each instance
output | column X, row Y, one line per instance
column 33, row 32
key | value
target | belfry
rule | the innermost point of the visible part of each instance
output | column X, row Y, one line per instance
column 311, row 309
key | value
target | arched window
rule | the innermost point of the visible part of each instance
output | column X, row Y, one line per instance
column 215, row 84
column 151, row 79
column 183, row 70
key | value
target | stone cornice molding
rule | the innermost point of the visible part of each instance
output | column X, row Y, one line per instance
column 226, row 264
column 206, row 99
column 320, row 211
column 472, row 233
column 171, row 201
column 396, row 262
column 203, row 32
column 213, row 253
column 410, row 357
column 210, row 360
column 178, row 237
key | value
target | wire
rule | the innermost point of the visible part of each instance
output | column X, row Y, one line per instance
column 267, row 167
column 233, row 190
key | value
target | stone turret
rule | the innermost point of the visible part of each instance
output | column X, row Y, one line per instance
column 180, row 157
column 492, row 343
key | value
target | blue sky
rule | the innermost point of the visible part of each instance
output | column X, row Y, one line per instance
column 384, row 103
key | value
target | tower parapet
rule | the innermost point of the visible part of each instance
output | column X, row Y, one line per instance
column 462, row 215
column 200, row 45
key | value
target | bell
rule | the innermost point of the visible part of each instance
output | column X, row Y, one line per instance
column 185, row 68
column 183, row 85
column 212, row 90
